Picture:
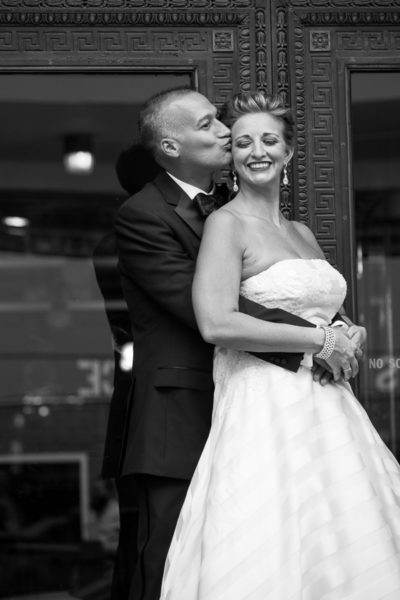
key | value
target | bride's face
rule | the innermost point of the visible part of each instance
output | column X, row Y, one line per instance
column 259, row 150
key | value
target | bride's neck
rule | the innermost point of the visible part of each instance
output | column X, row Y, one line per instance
column 260, row 203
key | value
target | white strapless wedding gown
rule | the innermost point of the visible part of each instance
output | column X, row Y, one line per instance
column 295, row 496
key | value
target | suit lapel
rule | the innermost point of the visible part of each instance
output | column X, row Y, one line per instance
column 184, row 207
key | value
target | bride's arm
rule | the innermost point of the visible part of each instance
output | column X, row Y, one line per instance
column 216, row 292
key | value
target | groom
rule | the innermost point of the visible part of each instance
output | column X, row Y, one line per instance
column 158, row 235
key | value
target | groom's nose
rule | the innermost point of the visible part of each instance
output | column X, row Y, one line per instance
column 223, row 131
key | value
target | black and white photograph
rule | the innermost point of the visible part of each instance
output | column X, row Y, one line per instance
column 200, row 299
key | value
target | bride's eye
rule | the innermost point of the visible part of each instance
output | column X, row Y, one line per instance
column 242, row 143
column 270, row 141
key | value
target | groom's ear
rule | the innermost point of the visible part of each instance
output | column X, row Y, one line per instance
column 170, row 147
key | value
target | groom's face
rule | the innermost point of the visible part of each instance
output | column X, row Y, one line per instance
column 202, row 139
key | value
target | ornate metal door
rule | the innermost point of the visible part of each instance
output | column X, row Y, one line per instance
column 338, row 64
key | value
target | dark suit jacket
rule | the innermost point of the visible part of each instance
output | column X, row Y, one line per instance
column 109, row 282
column 158, row 236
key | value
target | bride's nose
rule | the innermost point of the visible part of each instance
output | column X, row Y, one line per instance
column 258, row 149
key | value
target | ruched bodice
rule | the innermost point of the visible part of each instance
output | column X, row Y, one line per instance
column 295, row 496
column 309, row 288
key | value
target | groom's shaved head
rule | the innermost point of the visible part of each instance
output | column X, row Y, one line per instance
column 156, row 121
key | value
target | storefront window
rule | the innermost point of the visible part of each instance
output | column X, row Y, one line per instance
column 58, row 518
column 375, row 123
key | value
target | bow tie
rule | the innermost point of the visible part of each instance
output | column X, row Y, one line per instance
column 207, row 203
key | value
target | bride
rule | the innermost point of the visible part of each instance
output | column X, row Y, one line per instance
column 295, row 496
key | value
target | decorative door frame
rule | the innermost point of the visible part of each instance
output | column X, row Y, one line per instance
column 211, row 38
column 317, row 45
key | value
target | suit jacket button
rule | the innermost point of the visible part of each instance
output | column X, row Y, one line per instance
column 283, row 361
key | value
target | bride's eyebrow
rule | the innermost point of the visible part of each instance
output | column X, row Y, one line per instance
column 270, row 134
column 247, row 136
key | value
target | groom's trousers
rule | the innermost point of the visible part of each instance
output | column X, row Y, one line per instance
column 160, row 500
column 126, row 555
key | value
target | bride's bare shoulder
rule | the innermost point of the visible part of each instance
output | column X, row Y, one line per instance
column 225, row 217
column 223, row 229
column 307, row 235
column 302, row 229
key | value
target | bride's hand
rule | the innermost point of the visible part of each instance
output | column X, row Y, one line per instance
column 358, row 335
column 343, row 361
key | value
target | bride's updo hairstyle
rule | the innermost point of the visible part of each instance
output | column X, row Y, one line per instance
column 247, row 103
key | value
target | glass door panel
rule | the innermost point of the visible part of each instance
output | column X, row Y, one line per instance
column 375, row 128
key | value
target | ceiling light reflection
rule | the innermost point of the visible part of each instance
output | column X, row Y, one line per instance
column 79, row 163
column 15, row 221
column 78, row 157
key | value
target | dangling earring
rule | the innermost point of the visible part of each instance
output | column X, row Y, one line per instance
column 235, row 186
column 285, row 179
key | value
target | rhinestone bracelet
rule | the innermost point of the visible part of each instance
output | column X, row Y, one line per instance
column 329, row 343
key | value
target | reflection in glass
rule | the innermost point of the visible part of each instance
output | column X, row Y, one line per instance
column 375, row 123
column 58, row 519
